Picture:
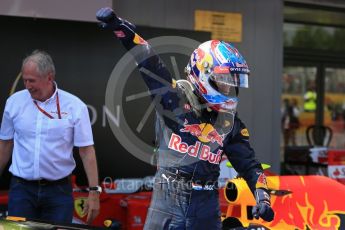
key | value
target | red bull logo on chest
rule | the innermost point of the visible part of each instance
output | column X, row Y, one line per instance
column 198, row 150
column 204, row 132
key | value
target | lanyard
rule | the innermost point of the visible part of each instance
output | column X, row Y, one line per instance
column 57, row 107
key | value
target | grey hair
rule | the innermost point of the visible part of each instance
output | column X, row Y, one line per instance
column 43, row 61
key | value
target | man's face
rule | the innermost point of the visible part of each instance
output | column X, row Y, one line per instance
column 226, row 89
column 40, row 87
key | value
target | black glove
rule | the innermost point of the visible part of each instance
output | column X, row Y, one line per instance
column 263, row 205
column 108, row 19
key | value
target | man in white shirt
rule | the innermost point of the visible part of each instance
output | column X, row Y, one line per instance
column 40, row 126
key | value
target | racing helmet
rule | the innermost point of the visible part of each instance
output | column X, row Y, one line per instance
column 217, row 70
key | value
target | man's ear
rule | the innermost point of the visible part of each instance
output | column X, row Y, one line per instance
column 51, row 76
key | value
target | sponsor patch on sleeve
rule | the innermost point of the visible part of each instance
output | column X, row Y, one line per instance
column 261, row 181
column 139, row 40
column 245, row 133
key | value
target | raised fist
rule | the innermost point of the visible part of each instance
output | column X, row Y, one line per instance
column 108, row 19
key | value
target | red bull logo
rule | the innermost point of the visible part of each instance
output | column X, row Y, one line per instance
column 261, row 181
column 198, row 150
column 214, row 136
column 204, row 132
column 139, row 40
column 201, row 60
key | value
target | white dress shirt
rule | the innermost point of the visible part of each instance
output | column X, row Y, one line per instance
column 43, row 147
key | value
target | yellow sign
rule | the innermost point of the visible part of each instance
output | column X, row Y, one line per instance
column 224, row 26
column 79, row 206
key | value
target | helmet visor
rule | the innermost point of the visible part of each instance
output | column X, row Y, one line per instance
column 225, row 83
column 230, row 79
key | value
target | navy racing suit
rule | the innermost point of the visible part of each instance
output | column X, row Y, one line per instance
column 191, row 146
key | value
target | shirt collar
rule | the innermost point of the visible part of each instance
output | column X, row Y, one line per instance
column 52, row 97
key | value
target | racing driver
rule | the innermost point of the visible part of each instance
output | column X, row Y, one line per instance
column 197, row 124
